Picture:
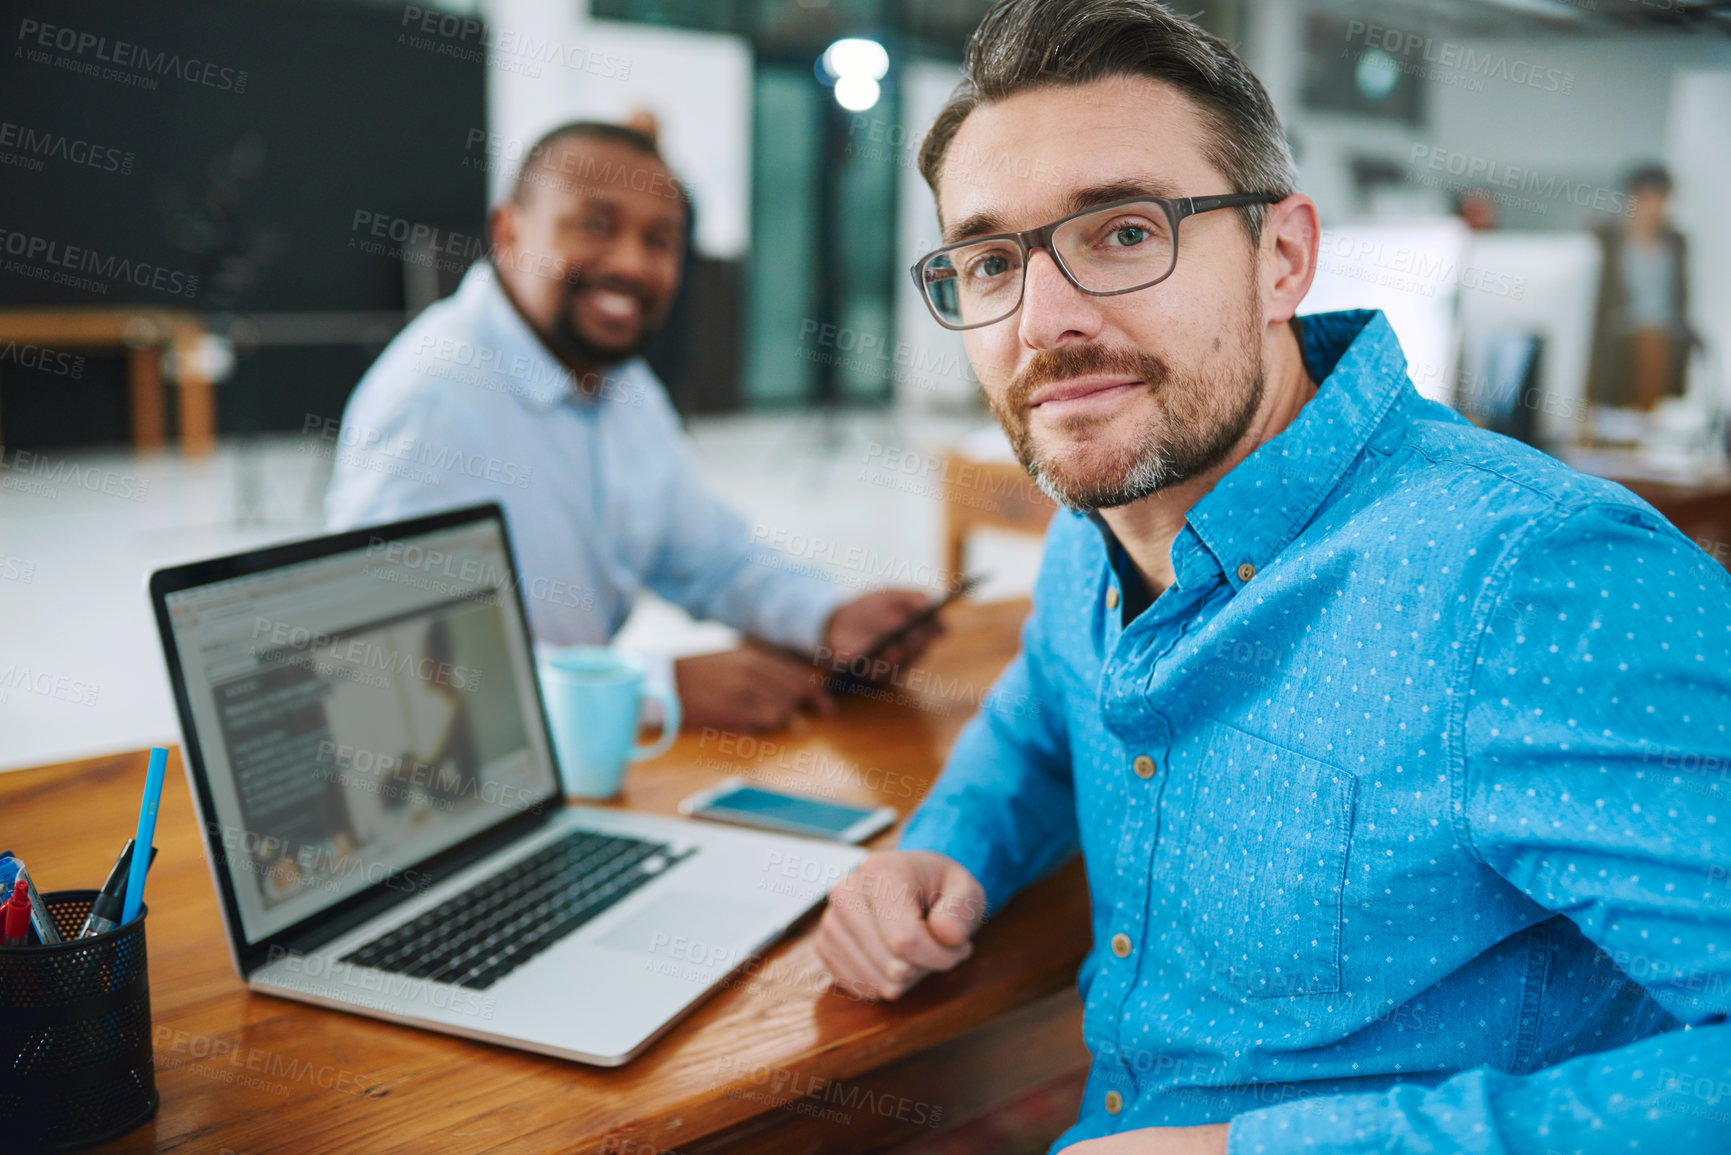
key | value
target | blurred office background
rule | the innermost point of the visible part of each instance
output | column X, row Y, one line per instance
column 1470, row 158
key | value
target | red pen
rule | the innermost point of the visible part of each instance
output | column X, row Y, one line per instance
column 16, row 915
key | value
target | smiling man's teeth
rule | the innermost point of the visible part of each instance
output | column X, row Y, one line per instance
column 620, row 305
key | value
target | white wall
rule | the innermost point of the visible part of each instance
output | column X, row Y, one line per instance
column 1614, row 116
column 925, row 86
column 698, row 85
column 1698, row 153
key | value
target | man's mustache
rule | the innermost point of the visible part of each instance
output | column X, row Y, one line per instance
column 1065, row 362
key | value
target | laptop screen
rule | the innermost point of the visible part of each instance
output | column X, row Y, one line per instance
column 358, row 713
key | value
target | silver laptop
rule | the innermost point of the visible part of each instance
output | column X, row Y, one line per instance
column 364, row 737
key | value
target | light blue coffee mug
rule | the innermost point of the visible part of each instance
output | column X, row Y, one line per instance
column 594, row 698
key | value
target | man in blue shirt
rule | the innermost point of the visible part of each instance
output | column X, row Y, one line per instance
column 1396, row 752
column 525, row 387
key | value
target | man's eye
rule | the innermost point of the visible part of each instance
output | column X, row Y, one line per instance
column 597, row 226
column 1129, row 235
column 988, row 266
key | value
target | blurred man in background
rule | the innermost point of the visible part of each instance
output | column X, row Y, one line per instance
column 1641, row 334
column 526, row 387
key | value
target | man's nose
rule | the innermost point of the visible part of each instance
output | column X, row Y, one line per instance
column 1053, row 310
column 626, row 258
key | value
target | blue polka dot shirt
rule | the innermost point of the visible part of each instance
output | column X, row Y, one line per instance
column 1405, row 810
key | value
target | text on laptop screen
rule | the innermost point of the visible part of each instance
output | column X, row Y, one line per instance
column 359, row 713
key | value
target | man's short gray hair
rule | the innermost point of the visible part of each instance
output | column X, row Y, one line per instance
column 1027, row 44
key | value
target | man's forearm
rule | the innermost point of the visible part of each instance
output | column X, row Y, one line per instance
column 1670, row 1093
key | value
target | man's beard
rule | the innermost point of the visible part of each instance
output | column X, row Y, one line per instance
column 574, row 347
column 1204, row 416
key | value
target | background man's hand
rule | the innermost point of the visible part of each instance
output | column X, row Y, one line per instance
column 855, row 628
column 900, row 916
column 1209, row 1139
column 746, row 689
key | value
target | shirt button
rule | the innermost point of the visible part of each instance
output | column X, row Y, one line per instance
column 1114, row 1102
column 1112, row 598
column 1121, row 945
column 1144, row 766
column 1246, row 572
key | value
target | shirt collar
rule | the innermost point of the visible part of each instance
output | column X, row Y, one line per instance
column 543, row 382
column 1254, row 511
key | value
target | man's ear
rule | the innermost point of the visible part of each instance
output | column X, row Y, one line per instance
column 502, row 227
column 1291, row 234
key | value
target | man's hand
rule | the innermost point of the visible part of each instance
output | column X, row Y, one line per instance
column 1209, row 1139
column 902, row 915
column 747, row 690
column 856, row 627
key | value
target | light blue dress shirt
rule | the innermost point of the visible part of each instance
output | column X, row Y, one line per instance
column 600, row 493
column 1410, row 798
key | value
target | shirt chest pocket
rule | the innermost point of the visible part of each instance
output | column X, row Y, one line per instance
column 1262, row 873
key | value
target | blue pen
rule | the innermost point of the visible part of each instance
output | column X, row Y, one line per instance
column 146, row 832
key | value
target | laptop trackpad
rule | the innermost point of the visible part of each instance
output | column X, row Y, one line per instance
column 693, row 927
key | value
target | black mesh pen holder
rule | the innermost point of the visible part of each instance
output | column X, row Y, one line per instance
column 75, row 1050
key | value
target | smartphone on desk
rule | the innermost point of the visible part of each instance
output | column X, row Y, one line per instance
column 738, row 801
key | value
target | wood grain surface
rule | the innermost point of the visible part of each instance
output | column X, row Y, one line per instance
column 773, row 1062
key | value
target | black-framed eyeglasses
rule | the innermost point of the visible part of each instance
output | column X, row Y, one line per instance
column 1103, row 251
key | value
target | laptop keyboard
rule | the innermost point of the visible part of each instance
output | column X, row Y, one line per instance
column 488, row 931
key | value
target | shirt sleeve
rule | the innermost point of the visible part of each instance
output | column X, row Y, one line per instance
column 1005, row 805
column 1595, row 779
column 710, row 563
column 403, row 458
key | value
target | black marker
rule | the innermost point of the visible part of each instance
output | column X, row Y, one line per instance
column 105, row 911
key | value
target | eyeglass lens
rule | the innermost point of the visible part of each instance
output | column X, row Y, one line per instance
column 1110, row 250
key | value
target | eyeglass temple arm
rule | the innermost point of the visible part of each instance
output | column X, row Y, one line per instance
column 1190, row 206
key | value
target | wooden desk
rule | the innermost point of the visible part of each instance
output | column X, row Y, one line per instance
column 253, row 1074
column 144, row 333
